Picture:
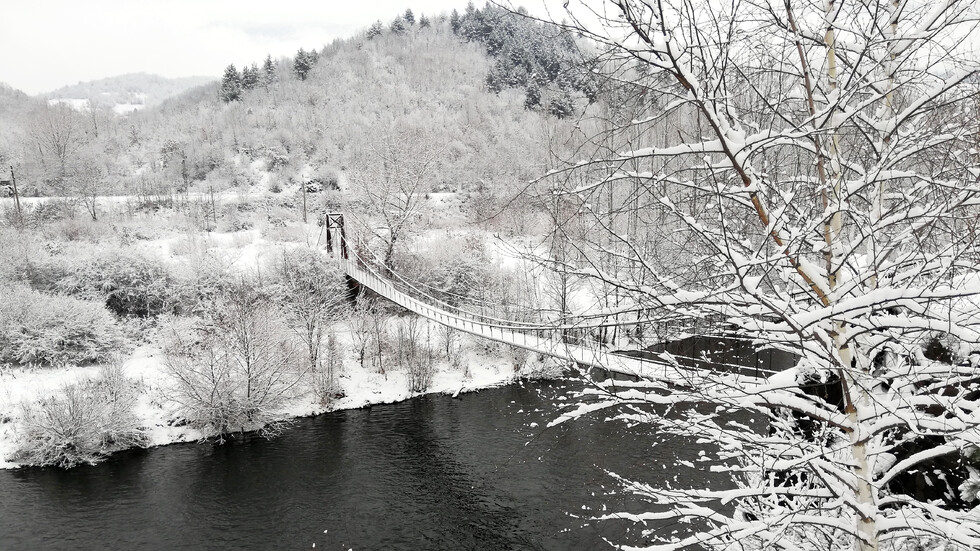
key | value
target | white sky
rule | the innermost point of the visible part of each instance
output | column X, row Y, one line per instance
column 46, row 44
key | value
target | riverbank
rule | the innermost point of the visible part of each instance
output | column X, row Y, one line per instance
column 163, row 423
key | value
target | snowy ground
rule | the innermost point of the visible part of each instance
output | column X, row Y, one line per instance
column 362, row 387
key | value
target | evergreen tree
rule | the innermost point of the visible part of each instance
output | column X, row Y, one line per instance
column 495, row 80
column 268, row 71
column 398, row 25
column 231, row 85
column 304, row 62
column 533, row 97
column 562, row 105
column 250, row 77
column 424, row 22
column 409, row 17
column 455, row 22
column 375, row 30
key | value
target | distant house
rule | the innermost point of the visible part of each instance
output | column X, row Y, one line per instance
column 6, row 188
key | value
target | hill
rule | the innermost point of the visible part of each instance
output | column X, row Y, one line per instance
column 368, row 104
column 125, row 93
column 403, row 104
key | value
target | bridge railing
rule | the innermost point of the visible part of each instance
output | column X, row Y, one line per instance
column 547, row 339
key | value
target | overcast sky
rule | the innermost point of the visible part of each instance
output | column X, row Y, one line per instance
column 46, row 44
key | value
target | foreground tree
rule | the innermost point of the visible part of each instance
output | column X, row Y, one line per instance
column 814, row 167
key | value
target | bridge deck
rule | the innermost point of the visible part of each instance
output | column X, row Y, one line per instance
column 515, row 335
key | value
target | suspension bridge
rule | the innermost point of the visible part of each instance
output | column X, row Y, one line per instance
column 549, row 339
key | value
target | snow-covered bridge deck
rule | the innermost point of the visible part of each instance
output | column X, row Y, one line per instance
column 537, row 338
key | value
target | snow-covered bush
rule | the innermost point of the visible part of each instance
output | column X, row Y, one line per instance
column 413, row 352
column 130, row 283
column 81, row 228
column 234, row 367
column 324, row 375
column 36, row 328
column 87, row 422
column 451, row 344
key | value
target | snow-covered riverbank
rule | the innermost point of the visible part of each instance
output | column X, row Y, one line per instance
column 161, row 421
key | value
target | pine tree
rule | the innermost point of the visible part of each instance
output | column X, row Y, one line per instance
column 398, row 26
column 424, row 22
column 375, row 30
column 455, row 22
column 250, row 77
column 304, row 62
column 561, row 105
column 231, row 85
column 409, row 17
column 268, row 71
column 533, row 98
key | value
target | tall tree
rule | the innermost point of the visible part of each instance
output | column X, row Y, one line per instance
column 250, row 77
column 395, row 179
column 268, row 71
column 375, row 30
column 58, row 133
column 231, row 85
column 304, row 62
column 813, row 160
column 398, row 25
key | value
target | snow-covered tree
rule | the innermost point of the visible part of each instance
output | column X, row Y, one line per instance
column 57, row 133
column 398, row 25
column 304, row 62
column 813, row 167
column 231, row 85
column 232, row 370
column 250, row 77
column 268, row 71
column 395, row 180
column 455, row 21
column 312, row 295
column 375, row 30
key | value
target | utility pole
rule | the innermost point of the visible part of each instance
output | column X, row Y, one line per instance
column 13, row 184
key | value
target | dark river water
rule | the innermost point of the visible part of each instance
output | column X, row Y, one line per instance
column 477, row 472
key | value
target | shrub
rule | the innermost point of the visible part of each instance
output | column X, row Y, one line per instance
column 48, row 211
column 324, row 374
column 414, row 353
column 85, row 424
column 36, row 328
column 77, row 229
column 129, row 283
column 233, row 368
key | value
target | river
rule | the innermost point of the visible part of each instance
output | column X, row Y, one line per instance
column 478, row 472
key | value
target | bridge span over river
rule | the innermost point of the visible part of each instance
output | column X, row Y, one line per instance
column 549, row 339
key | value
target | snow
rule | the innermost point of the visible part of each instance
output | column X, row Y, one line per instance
column 363, row 387
column 127, row 108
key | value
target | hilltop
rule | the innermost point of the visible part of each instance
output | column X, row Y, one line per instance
column 125, row 93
